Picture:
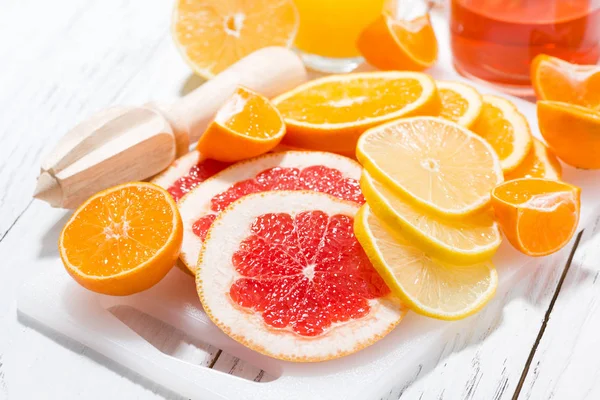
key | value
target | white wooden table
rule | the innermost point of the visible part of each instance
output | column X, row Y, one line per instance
column 62, row 60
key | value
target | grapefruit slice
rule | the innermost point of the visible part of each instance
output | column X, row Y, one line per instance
column 283, row 274
column 293, row 170
column 187, row 172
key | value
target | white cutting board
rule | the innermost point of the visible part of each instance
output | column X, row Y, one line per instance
column 55, row 300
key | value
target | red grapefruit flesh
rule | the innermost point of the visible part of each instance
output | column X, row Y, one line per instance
column 282, row 273
column 293, row 170
column 187, row 172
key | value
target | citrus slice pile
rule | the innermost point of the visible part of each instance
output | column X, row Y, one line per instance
column 461, row 241
column 436, row 163
column 539, row 163
column 537, row 216
column 122, row 240
column 292, row 170
column 391, row 44
column 460, row 102
column 187, row 172
column 283, row 274
column 506, row 129
column 557, row 80
column 213, row 34
column 430, row 233
column 572, row 132
column 330, row 113
column 246, row 126
column 429, row 286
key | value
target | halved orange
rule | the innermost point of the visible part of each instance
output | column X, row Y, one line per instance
column 558, row 80
column 572, row 132
column 330, row 113
column 539, row 163
column 506, row 129
column 246, row 126
column 391, row 44
column 213, row 34
column 122, row 240
column 538, row 216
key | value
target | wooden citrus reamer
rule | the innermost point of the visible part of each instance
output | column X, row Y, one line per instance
column 123, row 144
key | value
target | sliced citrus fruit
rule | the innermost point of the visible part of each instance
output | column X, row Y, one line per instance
column 461, row 103
column 122, row 240
column 282, row 273
column 558, row 80
column 572, row 132
column 292, row 170
column 539, row 163
column 460, row 241
column 427, row 285
column 538, row 216
column 506, row 129
column 213, row 34
column 434, row 162
column 246, row 126
column 330, row 113
column 187, row 172
column 391, row 44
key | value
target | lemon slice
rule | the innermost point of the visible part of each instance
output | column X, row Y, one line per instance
column 461, row 241
column 428, row 286
column 436, row 163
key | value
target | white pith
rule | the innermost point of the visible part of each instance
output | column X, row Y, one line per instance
column 216, row 274
column 181, row 167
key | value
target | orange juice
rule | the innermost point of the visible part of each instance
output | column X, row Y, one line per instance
column 329, row 28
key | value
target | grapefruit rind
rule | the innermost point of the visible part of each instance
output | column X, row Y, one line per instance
column 196, row 203
column 369, row 243
column 216, row 273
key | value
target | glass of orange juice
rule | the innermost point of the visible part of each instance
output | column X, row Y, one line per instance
column 329, row 29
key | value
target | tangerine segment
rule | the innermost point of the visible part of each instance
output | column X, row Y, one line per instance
column 122, row 240
column 506, row 129
column 461, row 103
column 572, row 132
column 294, row 170
column 211, row 35
column 283, row 273
column 537, row 216
column 539, row 163
column 558, row 80
column 435, row 163
column 427, row 285
column 391, row 44
column 460, row 241
column 330, row 113
column 246, row 126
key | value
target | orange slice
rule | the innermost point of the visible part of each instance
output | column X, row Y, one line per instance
column 122, row 240
column 213, row 34
column 537, row 216
column 391, row 44
column 461, row 103
column 539, row 163
column 558, row 80
column 246, row 126
column 506, row 129
column 572, row 132
column 283, row 274
column 330, row 113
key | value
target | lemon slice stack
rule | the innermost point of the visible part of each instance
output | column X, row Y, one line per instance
column 427, row 226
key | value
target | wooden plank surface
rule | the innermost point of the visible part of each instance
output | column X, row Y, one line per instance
column 65, row 59
column 566, row 364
